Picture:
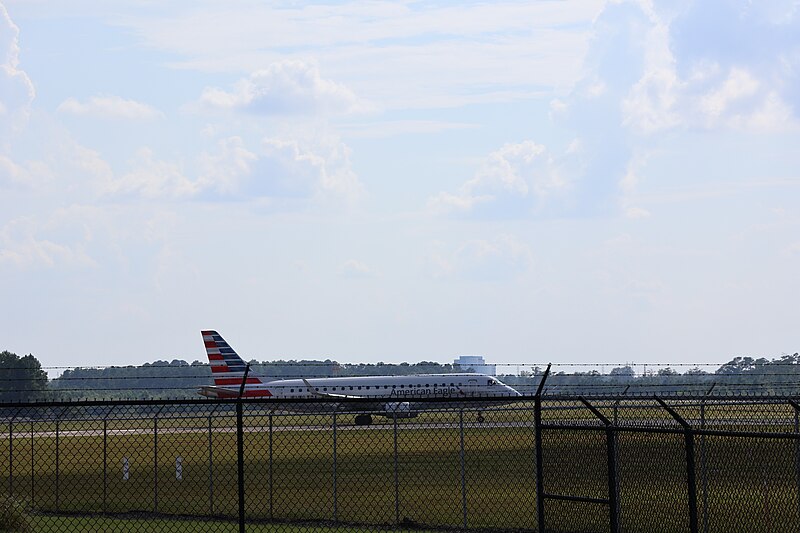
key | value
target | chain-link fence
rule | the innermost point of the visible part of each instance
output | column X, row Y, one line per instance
column 708, row 464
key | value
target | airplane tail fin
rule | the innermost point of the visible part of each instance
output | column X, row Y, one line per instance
column 226, row 365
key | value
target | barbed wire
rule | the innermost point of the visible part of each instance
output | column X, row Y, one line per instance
column 519, row 387
column 602, row 379
column 198, row 364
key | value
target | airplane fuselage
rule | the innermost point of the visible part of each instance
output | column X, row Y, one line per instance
column 396, row 388
column 394, row 396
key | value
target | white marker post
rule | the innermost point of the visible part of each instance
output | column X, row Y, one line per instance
column 179, row 468
column 125, row 469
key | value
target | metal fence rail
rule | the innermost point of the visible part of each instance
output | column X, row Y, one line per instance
column 699, row 464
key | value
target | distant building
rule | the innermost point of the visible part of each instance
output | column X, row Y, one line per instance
column 476, row 363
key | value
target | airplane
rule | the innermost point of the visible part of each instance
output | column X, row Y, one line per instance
column 394, row 395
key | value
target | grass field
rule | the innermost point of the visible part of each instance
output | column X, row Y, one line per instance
column 61, row 524
column 743, row 484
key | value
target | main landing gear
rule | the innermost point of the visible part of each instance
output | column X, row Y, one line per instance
column 364, row 419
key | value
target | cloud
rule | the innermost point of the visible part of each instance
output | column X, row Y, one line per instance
column 32, row 174
column 153, row 178
column 494, row 259
column 730, row 66
column 657, row 68
column 284, row 170
column 292, row 168
column 398, row 54
column 225, row 169
column 515, row 180
column 288, row 87
column 354, row 269
column 26, row 242
column 391, row 128
column 110, row 107
column 16, row 89
column 636, row 212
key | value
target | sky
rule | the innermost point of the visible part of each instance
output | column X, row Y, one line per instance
column 577, row 182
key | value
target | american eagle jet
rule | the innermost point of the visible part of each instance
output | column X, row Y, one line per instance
column 394, row 395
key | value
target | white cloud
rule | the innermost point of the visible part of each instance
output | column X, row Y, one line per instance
column 494, row 259
column 354, row 269
column 391, row 128
column 110, row 107
column 397, row 54
column 16, row 89
column 153, row 178
column 27, row 243
column 674, row 67
column 687, row 86
column 32, row 174
column 739, row 84
column 513, row 181
column 297, row 168
column 636, row 212
column 284, row 170
column 285, row 88
column 225, row 170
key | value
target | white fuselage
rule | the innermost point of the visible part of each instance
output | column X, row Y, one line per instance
column 394, row 388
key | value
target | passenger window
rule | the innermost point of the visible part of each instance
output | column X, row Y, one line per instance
column 359, row 388
column 325, row 389
column 402, row 386
column 292, row 390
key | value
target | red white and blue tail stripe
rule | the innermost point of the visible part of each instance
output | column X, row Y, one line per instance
column 228, row 370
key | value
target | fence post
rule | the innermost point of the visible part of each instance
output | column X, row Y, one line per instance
column 335, row 493
column 690, row 466
column 58, row 468
column 616, row 404
column 611, row 455
column 210, row 468
column 155, row 464
column 240, row 447
column 537, row 421
column 105, row 457
column 105, row 463
column 796, row 408
column 11, row 455
column 270, row 467
column 703, row 474
column 463, row 470
column 33, row 469
column 396, row 475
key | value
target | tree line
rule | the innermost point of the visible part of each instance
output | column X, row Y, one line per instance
column 23, row 379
